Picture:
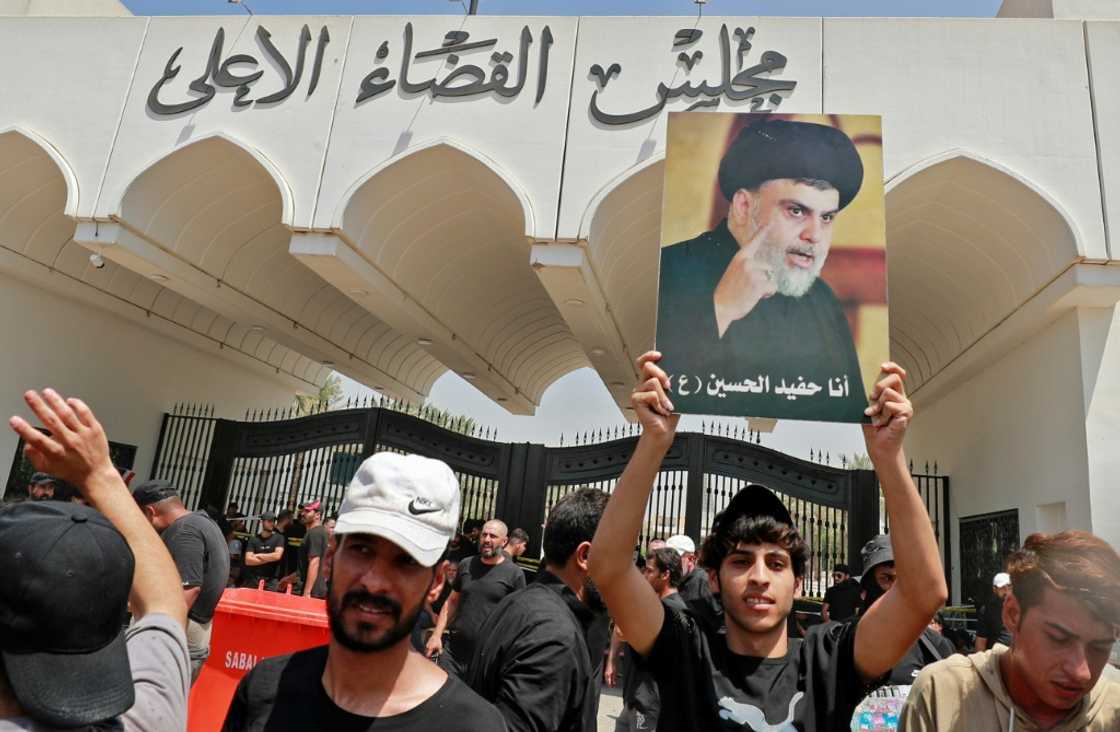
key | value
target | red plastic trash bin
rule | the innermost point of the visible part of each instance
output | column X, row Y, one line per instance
column 250, row 625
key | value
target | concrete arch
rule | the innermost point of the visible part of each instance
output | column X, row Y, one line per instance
column 37, row 194
column 622, row 228
column 287, row 202
column 72, row 192
column 211, row 216
column 452, row 144
column 447, row 233
column 603, row 193
column 969, row 242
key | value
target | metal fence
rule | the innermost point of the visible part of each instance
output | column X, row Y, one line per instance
column 276, row 459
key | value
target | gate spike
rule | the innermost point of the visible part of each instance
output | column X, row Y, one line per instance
column 828, row 458
column 927, row 467
column 935, row 467
column 911, row 466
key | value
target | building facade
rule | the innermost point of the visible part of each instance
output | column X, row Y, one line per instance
column 227, row 209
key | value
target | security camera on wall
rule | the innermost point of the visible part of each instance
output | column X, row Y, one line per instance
column 97, row 260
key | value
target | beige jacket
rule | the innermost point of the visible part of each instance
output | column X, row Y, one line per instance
column 963, row 693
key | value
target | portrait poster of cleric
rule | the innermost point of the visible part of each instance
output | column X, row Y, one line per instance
column 772, row 298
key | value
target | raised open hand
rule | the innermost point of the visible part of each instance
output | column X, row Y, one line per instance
column 76, row 448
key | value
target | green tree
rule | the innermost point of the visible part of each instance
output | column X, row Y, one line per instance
column 328, row 396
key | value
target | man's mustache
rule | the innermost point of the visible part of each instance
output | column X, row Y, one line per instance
column 378, row 602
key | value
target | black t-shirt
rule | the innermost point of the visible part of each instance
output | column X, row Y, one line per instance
column 535, row 664
column 931, row 647
column 314, row 545
column 697, row 593
column 843, row 599
column 796, row 341
column 639, row 687
column 290, row 561
column 202, row 557
column 481, row 587
column 705, row 687
column 267, row 572
column 286, row 693
column 989, row 623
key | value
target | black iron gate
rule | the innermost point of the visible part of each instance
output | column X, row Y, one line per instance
column 277, row 463
column 986, row 542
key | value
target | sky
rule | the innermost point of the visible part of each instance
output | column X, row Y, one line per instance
column 579, row 401
column 859, row 8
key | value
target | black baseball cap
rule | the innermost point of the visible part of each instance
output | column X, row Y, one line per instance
column 39, row 478
column 268, row 516
column 151, row 491
column 756, row 500
column 68, row 572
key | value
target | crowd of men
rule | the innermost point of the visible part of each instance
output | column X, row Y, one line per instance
column 700, row 638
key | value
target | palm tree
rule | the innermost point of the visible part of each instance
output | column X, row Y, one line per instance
column 329, row 395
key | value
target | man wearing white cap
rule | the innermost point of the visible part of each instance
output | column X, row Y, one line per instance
column 398, row 515
column 695, row 589
column 989, row 620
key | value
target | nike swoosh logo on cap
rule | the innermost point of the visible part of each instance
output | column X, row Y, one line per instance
column 420, row 511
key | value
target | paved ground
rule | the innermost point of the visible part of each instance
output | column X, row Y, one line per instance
column 610, row 704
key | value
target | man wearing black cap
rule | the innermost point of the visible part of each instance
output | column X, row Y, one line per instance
column 65, row 661
column 745, row 300
column 199, row 550
column 262, row 558
column 879, row 576
column 749, row 674
column 41, row 487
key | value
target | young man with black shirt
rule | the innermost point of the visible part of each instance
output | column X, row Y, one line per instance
column 200, row 552
column 264, row 554
column 841, row 601
column 540, row 663
column 393, row 528
column 313, row 550
column 480, row 584
column 751, row 674
column 640, row 702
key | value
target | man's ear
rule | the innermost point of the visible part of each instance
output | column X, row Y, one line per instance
column 439, row 576
column 739, row 208
column 713, row 581
column 1012, row 614
column 798, row 585
column 581, row 555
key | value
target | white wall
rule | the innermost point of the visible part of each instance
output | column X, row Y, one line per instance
column 1100, row 355
column 127, row 373
column 1014, row 436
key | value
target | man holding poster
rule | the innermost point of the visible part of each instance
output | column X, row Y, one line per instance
column 747, row 323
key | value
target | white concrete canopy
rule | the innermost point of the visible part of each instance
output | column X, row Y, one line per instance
column 970, row 243
column 205, row 220
column 37, row 187
column 438, row 248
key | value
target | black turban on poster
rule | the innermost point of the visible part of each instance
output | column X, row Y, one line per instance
column 774, row 149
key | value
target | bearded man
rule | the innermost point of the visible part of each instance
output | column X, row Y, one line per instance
column 398, row 515
column 480, row 584
column 745, row 300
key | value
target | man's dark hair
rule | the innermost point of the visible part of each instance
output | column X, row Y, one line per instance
column 842, row 568
column 285, row 514
column 753, row 530
column 668, row 560
column 571, row 522
column 519, row 535
column 471, row 524
column 1074, row 563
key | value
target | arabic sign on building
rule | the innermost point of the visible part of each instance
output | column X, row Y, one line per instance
column 744, row 73
column 772, row 295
